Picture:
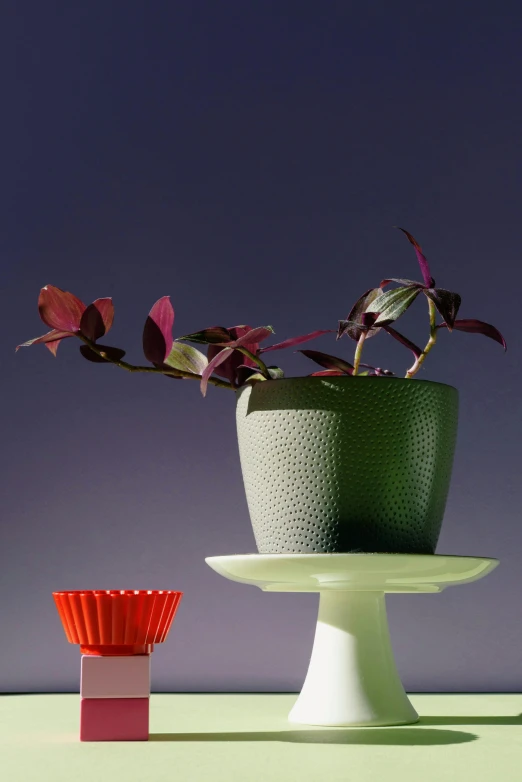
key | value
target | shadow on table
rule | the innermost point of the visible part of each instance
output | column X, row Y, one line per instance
column 515, row 719
column 370, row 736
column 426, row 732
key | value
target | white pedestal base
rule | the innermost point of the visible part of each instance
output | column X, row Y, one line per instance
column 352, row 678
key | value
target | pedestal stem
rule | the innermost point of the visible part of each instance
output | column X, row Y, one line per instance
column 352, row 678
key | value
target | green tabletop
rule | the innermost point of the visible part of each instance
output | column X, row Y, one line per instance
column 246, row 738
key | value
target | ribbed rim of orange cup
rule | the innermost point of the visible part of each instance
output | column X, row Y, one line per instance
column 117, row 621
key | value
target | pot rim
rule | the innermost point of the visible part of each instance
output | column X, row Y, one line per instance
column 349, row 378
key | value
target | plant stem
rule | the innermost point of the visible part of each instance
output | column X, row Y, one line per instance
column 260, row 363
column 358, row 353
column 433, row 338
column 154, row 370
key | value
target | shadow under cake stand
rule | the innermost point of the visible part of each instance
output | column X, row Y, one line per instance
column 352, row 678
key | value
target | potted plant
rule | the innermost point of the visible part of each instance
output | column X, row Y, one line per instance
column 350, row 458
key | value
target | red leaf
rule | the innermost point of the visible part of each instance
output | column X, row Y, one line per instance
column 54, row 345
column 114, row 354
column 423, row 263
column 327, row 361
column 97, row 319
column 292, row 341
column 328, row 373
column 229, row 368
column 157, row 334
column 212, row 365
column 252, row 337
column 59, row 309
column 51, row 340
column 473, row 326
column 236, row 332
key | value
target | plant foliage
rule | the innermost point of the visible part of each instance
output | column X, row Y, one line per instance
column 235, row 355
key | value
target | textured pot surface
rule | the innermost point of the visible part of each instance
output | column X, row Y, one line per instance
column 347, row 464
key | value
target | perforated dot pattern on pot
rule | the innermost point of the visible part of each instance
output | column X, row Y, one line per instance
column 347, row 464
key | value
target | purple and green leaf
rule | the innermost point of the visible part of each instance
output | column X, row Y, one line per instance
column 446, row 302
column 377, row 370
column 403, row 282
column 403, row 340
column 473, row 326
column 355, row 322
column 392, row 304
column 215, row 335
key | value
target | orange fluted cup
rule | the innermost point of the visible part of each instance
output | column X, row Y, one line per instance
column 117, row 621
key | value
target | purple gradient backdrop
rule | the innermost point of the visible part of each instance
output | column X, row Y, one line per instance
column 249, row 159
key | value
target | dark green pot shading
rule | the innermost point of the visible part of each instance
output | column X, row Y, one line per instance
column 347, row 464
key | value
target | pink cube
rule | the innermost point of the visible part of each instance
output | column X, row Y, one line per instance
column 115, row 677
column 114, row 719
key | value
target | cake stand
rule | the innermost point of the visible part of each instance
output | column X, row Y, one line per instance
column 352, row 678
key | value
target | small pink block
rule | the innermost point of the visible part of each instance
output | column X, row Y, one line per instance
column 115, row 677
column 114, row 719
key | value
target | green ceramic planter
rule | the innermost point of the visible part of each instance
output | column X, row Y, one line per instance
column 347, row 464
